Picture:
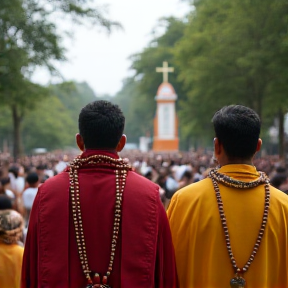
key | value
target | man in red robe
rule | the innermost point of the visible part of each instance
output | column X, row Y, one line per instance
column 98, row 224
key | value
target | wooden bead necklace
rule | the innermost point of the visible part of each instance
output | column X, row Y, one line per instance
column 216, row 178
column 121, row 170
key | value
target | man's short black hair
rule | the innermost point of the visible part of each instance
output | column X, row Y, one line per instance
column 101, row 125
column 5, row 202
column 32, row 178
column 237, row 128
column 277, row 180
column 14, row 170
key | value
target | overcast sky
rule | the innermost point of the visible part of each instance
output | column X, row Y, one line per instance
column 102, row 60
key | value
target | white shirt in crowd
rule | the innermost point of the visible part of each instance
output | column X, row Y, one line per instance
column 28, row 197
column 9, row 193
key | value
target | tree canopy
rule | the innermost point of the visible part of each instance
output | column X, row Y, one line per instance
column 29, row 38
column 233, row 52
column 224, row 52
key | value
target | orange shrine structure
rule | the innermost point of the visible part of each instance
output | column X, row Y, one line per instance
column 165, row 122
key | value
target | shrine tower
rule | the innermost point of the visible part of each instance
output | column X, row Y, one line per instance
column 166, row 121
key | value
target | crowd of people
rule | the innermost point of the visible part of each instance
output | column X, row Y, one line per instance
column 20, row 181
column 170, row 170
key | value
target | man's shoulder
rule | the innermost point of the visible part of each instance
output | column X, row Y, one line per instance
column 279, row 196
column 14, row 249
column 58, row 177
column 194, row 194
column 19, row 249
column 138, row 179
column 141, row 185
column 196, row 189
column 30, row 190
column 61, row 179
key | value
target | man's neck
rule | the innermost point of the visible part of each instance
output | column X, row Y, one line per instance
column 236, row 161
column 34, row 185
column 109, row 150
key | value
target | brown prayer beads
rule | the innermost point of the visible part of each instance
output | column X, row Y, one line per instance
column 121, row 169
column 216, row 178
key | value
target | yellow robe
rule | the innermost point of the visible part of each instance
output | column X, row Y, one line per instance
column 201, row 255
column 10, row 265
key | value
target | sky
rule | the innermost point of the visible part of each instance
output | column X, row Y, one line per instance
column 101, row 59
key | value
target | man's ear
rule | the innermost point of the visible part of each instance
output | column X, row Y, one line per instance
column 217, row 147
column 259, row 144
column 121, row 143
column 80, row 142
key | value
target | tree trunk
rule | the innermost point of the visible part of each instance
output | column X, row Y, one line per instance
column 17, row 144
column 281, row 135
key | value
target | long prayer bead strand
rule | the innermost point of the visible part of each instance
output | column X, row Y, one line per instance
column 216, row 178
column 121, row 169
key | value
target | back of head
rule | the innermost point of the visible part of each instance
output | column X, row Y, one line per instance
column 237, row 128
column 5, row 202
column 14, row 170
column 187, row 174
column 4, row 181
column 32, row 178
column 101, row 125
column 280, row 169
column 40, row 167
column 11, row 226
column 278, row 179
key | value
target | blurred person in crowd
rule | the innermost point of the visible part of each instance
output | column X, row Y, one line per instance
column 11, row 249
column 206, row 172
column 171, row 184
column 168, row 184
column 220, row 221
column 20, row 186
column 13, row 174
column 280, row 182
column 30, row 193
column 5, row 202
column 62, row 164
column 154, row 173
column 276, row 168
column 148, row 173
column 20, row 180
column 5, row 189
column 40, row 170
column 198, row 173
column 279, row 179
column 161, row 181
column 50, row 170
column 186, row 178
column 131, row 238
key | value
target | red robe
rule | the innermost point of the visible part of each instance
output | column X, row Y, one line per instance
column 144, row 253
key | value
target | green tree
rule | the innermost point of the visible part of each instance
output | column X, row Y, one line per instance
column 233, row 52
column 48, row 126
column 160, row 49
column 73, row 96
column 134, row 107
column 54, row 121
column 28, row 38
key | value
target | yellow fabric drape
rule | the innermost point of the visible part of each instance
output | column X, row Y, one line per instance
column 201, row 254
column 10, row 265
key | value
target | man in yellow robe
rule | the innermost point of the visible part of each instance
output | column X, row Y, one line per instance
column 11, row 250
column 240, row 237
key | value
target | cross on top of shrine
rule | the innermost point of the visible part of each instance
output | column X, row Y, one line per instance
column 165, row 70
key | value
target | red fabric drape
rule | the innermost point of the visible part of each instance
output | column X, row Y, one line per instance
column 144, row 254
